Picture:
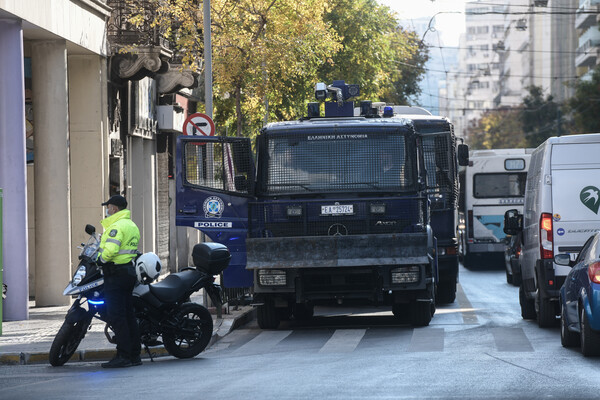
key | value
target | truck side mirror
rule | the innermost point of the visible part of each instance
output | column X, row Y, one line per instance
column 513, row 222
column 463, row 155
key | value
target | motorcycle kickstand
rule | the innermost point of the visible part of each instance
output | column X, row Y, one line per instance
column 149, row 352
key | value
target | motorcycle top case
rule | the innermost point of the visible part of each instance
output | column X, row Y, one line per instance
column 211, row 258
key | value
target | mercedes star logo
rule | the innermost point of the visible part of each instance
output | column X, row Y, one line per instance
column 337, row 230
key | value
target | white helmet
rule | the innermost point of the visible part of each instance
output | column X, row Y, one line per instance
column 147, row 268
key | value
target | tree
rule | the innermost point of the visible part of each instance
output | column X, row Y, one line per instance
column 541, row 118
column 375, row 51
column 498, row 129
column 584, row 106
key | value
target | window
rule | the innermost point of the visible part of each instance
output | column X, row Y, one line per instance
column 499, row 185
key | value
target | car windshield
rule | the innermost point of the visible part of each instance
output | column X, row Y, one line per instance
column 307, row 162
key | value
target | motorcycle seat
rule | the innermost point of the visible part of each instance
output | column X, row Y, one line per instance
column 173, row 287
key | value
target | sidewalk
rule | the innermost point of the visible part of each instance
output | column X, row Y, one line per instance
column 28, row 342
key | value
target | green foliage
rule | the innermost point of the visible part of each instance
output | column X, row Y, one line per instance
column 585, row 105
column 373, row 44
column 540, row 117
column 498, row 129
column 268, row 54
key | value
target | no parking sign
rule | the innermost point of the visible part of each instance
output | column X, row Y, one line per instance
column 199, row 124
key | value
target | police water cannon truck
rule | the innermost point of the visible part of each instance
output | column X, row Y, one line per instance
column 334, row 211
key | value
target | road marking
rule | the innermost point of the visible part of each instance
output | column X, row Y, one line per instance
column 343, row 341
column 426, row 340
column 468, row 313
column 263, row 342
column 511, row 340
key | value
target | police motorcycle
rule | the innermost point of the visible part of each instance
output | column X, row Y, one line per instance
column 163, row 310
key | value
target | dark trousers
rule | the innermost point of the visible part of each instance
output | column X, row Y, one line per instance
column 118, row 285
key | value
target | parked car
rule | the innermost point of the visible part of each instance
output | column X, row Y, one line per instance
column 511, row 259
column 579, row 299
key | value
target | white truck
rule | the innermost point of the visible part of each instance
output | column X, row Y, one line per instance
column 562, row 206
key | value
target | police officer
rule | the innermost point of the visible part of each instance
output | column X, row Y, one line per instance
column 118, row 248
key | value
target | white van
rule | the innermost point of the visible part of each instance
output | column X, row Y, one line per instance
column 494, row 183
column 562, row 201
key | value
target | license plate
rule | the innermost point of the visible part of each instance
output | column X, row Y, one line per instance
column 337, row 210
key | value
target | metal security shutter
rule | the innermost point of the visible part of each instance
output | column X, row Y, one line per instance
column 162, row 209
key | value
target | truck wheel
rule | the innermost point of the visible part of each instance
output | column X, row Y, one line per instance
column 590, row 340
column 446, row 291
column 567, row 338
column 267, row 315
column 546, row 311
column 527, row 306
column 420, row 313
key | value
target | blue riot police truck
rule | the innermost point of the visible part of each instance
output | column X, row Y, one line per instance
column 335, row 210
column 442, row 155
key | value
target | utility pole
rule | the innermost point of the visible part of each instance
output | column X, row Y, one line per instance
column 208, row 91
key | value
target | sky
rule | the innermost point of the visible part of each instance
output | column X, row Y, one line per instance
column 450, row 23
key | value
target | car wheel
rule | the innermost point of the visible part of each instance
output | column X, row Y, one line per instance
column 527, row 306
column 567, row 337
column 509, row 278
column 590, row 340
column 546, row 310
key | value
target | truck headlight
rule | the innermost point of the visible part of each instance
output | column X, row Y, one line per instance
column 272, row 277
column 406, row 274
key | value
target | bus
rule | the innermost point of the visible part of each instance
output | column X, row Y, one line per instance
column 494, row 182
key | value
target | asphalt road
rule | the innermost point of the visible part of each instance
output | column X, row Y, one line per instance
column 477, row 348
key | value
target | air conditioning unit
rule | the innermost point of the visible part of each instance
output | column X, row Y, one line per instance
column 170, row 118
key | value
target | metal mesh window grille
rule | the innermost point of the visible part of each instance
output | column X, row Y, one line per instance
column 439, row 155
column 342, row 217
column 304, row 163
column 216, row 166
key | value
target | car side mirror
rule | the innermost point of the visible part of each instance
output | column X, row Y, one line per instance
column 563, row 259
column 513, row 222
column 463, row 155
column 90, row 229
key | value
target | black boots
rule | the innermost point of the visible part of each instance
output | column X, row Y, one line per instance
column 119, row 362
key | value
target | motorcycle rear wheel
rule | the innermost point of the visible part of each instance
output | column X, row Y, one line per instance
column 66, row 341
column 194, row 331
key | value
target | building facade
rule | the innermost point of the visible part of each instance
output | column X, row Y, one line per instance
column 80, row 120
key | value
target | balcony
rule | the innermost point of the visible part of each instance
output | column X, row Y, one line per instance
column 138, row 50
column 587, row 54
column 586, row 15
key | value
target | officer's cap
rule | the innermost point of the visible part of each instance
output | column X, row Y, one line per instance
column 117, row 200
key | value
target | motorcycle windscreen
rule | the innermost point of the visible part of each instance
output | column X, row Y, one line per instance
column 214, row 183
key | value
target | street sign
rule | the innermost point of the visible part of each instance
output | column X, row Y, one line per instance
column 199, row 124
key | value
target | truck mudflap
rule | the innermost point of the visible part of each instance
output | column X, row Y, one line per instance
column 338, row 251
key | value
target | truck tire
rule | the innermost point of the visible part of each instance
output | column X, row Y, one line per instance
column 527, row 306
column 546, row 310
column 267, row 315
column 420, row 313
column 446, row 291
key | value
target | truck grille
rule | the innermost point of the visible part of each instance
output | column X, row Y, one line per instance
column 272, row 219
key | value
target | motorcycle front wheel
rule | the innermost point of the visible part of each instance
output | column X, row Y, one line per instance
column 192, row 333
column 66, row 341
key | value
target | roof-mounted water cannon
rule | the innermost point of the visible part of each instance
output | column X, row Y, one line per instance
column 339, row 93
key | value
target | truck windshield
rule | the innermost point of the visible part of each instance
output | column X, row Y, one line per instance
column 499, row 185
column 339, row 162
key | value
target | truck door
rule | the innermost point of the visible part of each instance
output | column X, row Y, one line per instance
column 214, row 183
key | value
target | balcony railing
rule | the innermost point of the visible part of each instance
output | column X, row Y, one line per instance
column 122, row 32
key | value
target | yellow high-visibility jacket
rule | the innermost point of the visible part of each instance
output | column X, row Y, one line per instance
column 120, row 239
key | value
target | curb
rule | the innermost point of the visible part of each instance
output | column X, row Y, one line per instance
column 225, row 327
